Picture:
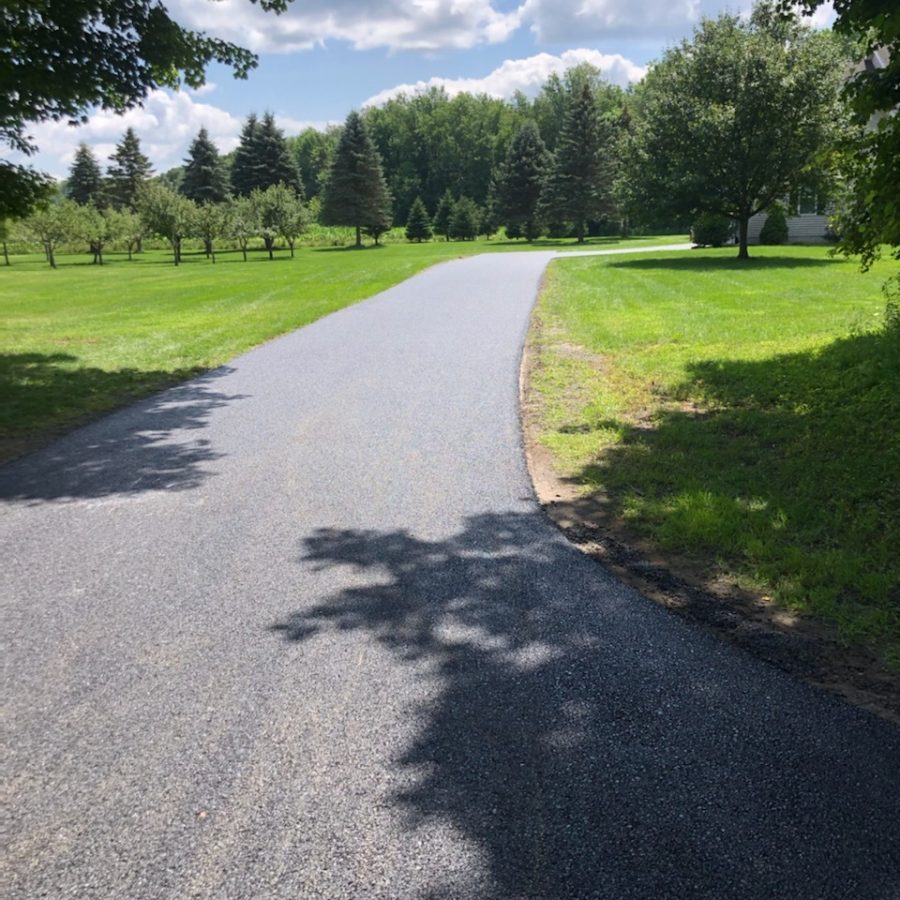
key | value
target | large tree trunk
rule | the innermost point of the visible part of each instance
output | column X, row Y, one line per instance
column 269, row 243
column 207, row 246
column 176, row 251
column 358, row 236
column 742, row 237
column 50, row 257
column 5, row 254
column 244, row 251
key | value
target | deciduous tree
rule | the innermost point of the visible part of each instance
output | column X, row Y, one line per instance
column 727, row 122
column 167, row 214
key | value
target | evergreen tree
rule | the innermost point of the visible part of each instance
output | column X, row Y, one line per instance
column 129, row 170
column 520, row 180
column 418, row 224
column 204, row 178
column 274, row 163
column 577, row 186
column 85, row 182
column 357, row 194
column 244, row 176
column 464, row 220
column 443, row 214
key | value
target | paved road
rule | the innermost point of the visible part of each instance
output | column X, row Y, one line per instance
column 299, row 629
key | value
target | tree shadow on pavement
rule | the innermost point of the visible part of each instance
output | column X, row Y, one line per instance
column 592, row 746
column 151, row 446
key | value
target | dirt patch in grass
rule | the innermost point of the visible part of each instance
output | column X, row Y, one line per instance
column 791, row 641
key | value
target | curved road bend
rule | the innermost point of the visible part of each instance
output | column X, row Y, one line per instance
column 298, row 628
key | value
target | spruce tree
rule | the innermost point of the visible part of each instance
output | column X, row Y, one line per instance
column 464, row 220
column 274, row 163
column 520, row 180
column 129, row 170
column 443, row 214
column 85, row 182
column 418, row 224
column 244, row 177
column 577, row 187
column 356, row 193
column 204, row 178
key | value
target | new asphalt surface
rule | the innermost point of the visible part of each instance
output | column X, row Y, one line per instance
column 298, row 628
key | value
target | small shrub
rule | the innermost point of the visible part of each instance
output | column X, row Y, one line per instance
column 775, row 228
column 711, row 230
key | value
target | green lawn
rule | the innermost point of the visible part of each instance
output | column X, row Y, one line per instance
column 740, row 416
column 83, row 339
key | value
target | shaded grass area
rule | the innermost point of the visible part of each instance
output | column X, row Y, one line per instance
column 83, row 339
column 742, row 417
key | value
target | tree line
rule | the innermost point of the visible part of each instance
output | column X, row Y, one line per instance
column 725, row 125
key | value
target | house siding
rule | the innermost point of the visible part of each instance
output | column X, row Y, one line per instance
column 801, row 229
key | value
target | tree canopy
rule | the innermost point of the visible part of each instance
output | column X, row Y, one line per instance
column 731, row 120
column 204, row 179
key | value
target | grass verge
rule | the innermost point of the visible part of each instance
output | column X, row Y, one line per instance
column 739, row 418
column 83, row 339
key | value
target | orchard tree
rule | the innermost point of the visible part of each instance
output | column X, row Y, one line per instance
column 94, row 228
column 278, row 213
column 209, row 224
column 520, row 180
column 578, row 186
column 127, row 228
column 85, row 182
column 167, row 214
column 418, row 224
column 356, row 194
column 728, row 122
column 242, row 222
column 443, row 214
column 52, row 225
column 130, row 169
column 204, row 179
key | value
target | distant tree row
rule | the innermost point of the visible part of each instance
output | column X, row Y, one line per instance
column 725, row 125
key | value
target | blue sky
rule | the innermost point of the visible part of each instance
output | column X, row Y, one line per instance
column 326, row 57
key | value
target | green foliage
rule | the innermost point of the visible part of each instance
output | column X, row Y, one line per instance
column 313, row 152
column 464, row 220
column 728, row 121
column 578, row 186
column 209, row 225
column 167, row 214
column 22, row 189
column 85, row 182
column 775, row 228
column 418, row 223
column 242, row 222
column 52, row 225
column 356, row 194
column 262, row 158
column 735, row 423
column 278, row 213
column 520, row 180
column 443, row 214
column 127, row 228
column 711, row 230
column 244, row 177
column 204, row 179
column 130, row 170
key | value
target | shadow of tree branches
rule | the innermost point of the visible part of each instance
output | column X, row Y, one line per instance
column 593, row 747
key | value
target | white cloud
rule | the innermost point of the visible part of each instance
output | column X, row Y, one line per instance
column 396, row 24
column 166, row 125
column 526, row 75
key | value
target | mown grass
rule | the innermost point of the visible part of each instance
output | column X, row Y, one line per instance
column 741, row 417
column 83, row 339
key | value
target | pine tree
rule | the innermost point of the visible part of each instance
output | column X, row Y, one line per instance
column 520, row 180
column 244, row 176
column 418, row 224
column 464, row 220
column 577, row 187
column 356, row 193
column 129, row 170
column 85, row 183
column 443, row 214
column 274, row 163
column 204, row 178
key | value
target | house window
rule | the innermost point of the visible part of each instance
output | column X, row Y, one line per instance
column 807, row 203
